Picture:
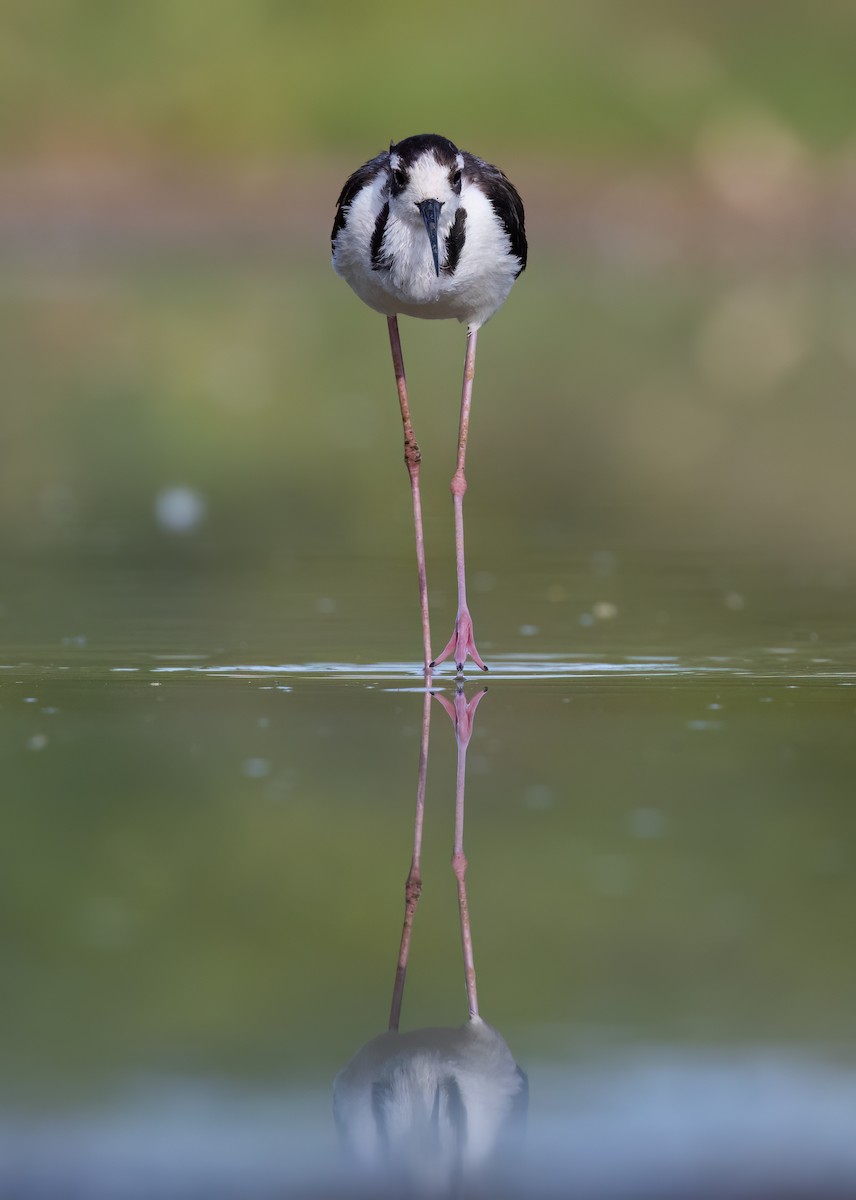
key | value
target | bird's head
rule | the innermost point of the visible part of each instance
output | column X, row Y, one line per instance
column 425, row 176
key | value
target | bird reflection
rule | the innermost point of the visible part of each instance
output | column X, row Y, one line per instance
column 430, row 1109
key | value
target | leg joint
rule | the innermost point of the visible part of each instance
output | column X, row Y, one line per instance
column 413, row 888
column 459, row 864
column 459, row 484
column 412, row 453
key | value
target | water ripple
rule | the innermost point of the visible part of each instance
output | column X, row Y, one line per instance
column 520, row 667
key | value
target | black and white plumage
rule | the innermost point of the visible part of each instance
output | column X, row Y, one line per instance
column 431, row 1108
column 428, row 230
column 384, row 248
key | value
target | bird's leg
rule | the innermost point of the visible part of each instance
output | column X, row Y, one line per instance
column 463, row 715
column 462, row 643
column 413, row 887
column 412, row 459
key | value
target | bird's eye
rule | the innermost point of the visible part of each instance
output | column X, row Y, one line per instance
column 455, row 178
column 399, row 177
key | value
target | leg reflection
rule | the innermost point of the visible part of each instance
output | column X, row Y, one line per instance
column 413, row 887
column 462, row 715
column 431, row 1108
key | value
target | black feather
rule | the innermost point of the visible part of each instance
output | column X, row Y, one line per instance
column 354, row 184
column 444, row 151
column 520, row 1100
column 378, row 260
column 455, row 239
column 505, row 201
column 380, row 1098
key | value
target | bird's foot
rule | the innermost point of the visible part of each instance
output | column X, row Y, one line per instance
column 462, row 643
column 461, row 711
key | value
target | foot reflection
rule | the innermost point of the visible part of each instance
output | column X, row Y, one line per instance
column 431, row 1108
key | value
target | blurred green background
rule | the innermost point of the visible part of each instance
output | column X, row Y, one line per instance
column 265, row 78
column 676, row 365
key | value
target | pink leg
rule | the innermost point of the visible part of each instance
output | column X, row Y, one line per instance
column 413, row 887
column 412, row 458
column 462, row 643
column 463, row 715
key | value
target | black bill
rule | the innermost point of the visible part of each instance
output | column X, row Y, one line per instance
column 430, row 210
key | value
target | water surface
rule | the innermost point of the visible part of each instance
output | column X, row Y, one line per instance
column 209, row 804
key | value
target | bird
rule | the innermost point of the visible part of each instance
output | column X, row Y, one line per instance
column 427, row 230
column 432, row 1109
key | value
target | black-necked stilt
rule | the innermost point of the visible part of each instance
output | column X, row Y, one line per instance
column 427, row 230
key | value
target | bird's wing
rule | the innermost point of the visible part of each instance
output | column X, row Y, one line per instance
column 354, row 184
column 506, row 203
